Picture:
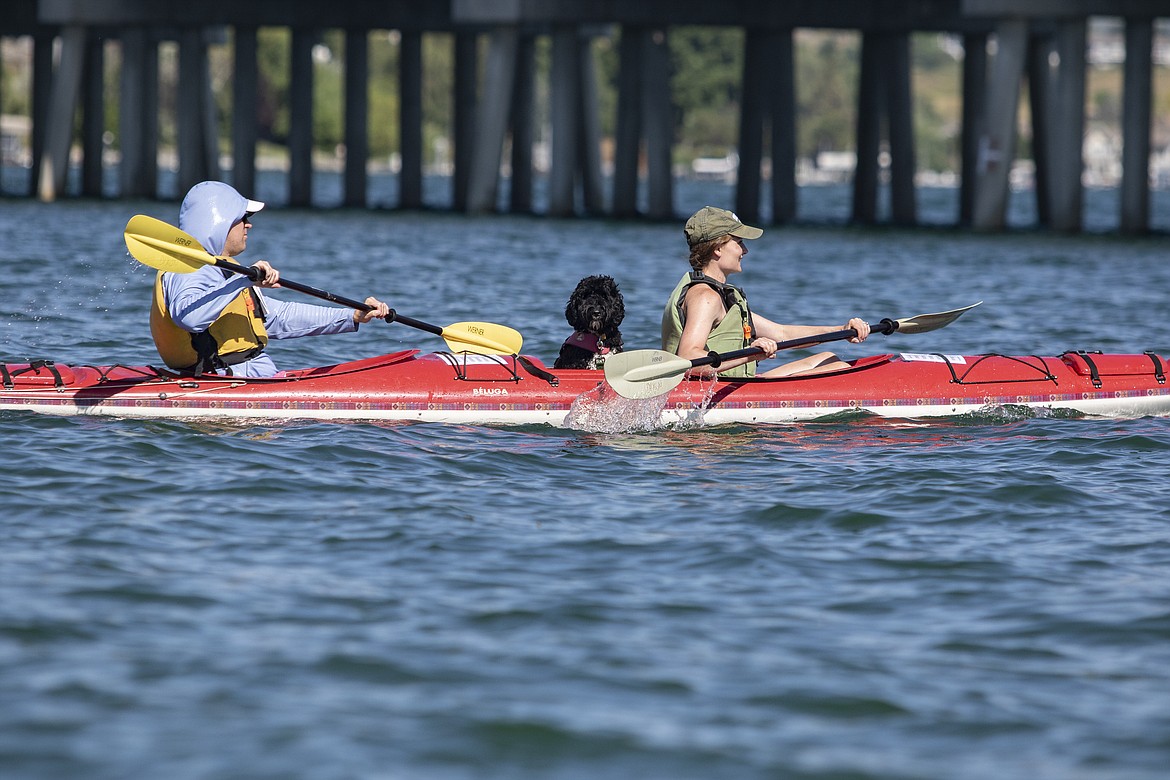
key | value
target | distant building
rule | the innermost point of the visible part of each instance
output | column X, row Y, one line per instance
column 15, row 132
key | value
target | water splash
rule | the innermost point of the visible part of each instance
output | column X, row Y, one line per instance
column 688, row 411
column 1009, row 413
column 602, row 410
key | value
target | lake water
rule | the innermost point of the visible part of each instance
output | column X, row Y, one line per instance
column 973, row 598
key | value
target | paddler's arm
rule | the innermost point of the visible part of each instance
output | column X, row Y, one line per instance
column 196, row 300
column 307, row 324
column 777, row 332
column 293, row 319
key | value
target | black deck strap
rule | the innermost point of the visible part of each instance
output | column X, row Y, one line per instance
column 458, row 361
column 954, row 377
column 449, row 359
column 1093, row 374
column 148, row 372
column 1158, row 373
column 538, row 372
column 8, row 383
column 1042, row 369
column 37, row 365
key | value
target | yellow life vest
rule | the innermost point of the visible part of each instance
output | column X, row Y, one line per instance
column 237, row 335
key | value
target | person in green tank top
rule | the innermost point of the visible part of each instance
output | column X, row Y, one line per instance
column 706, row 314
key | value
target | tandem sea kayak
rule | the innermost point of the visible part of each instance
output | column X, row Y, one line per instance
column 509, row 390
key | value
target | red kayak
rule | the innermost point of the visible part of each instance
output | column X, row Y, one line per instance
column 507, row 390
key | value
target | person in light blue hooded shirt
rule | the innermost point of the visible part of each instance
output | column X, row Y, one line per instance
column 219, row 218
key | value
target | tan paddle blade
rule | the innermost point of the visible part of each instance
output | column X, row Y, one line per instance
column 924, row 323
column 644, row 373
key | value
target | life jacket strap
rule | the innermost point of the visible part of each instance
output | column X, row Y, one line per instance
column 590, row 342
column 730, row 301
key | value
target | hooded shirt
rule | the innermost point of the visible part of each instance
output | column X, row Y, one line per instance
column 195, row 300
column 209, row 211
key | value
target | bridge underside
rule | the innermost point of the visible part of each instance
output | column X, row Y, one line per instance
column 1040, row 43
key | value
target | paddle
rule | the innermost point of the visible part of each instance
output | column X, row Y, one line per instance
column 645, row 373
column 154, row 243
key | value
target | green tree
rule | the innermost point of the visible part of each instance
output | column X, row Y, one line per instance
column 383, row 94
column 705, row 83
column 438, row 91
column 328, row 83
column 937, row 81
column 826, row 77
column 273, row 55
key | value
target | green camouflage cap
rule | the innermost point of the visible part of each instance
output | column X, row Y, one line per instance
column 709, row 223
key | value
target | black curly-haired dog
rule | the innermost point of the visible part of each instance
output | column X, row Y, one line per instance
column 595, row 310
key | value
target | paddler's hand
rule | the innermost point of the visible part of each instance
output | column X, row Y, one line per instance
column 271, row 276
column 378, row 311
column 769, row 347
column 862, row 328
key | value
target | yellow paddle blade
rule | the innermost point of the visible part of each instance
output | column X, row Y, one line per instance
column 483, row 338
column 154, row 243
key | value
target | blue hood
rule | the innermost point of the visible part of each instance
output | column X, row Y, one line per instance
column 209, row 211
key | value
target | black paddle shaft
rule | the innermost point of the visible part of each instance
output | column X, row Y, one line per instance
column 715, row 359
column 256, row 275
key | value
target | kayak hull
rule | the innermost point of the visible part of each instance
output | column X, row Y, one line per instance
column 481, row 390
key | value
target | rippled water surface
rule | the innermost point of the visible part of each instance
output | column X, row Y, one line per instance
column 973, row 598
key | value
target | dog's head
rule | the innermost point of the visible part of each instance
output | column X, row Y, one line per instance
column 596, row 306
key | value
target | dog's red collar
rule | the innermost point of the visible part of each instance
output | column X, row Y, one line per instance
column 590, row 342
